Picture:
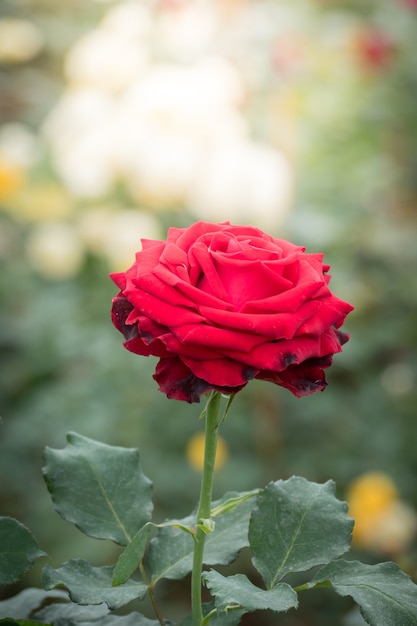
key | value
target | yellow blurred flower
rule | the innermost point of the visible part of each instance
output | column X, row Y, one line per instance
column 195, row 452
column 11, row 179
column 18, row 151
column 382, row 521
column 370, row 495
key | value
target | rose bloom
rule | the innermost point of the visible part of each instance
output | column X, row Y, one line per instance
column 221, row 304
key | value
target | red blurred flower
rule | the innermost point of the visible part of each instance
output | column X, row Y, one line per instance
column 374, row 49
column 410, row 3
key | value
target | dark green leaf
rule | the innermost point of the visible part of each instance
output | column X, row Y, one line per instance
column 129, row 559
column 231, row 618
column 22, row 605
column 385, row 594
column 133, row 619
column 170, row 553
column 99, row 488
column 91, row 585
column 18, row 550
column 228, row 504
column 71, row 612
column 238, row 591
column 23, row 622
column 295, row 525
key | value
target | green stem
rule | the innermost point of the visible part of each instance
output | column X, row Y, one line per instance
column 151, row 594
column 203, row 512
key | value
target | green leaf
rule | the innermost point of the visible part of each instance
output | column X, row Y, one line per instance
column 91, row 585
column 231, row 618
column 22, row 605
column 296, row 525
column 18, row 550
column 129, row 560
column 385, row 594
column 99, row 488
column 56, row 613
column 133, row 619
column 232, row 502
column 238, row 591
column 24, row 622
column 170, row 553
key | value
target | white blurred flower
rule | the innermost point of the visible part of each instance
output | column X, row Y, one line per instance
column 162, row 167
column 253, row 32
column 114, row 54
column 128, row 228
column 168, row 120
column 105, row 59
column 116, row 234
column 18, row 145
column 189, row 99
column 20, row 40
column 152, row 135
column 130, row 18
column 243, row 181
column 81, row 134
column 187, row 30
column 94, row 228
column 175, row 133
column 55, row 250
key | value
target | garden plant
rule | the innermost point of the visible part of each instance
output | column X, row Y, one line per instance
column 218, row 305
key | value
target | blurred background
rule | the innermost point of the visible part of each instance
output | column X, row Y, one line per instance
column 119, row 119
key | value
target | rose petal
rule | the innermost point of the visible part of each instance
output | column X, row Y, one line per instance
column 221, row 372
column 275, row 326
column 248, row 280
column 178, row 382
column 216, row 338
column 331, row 312
column 161, row 312
column 288, row 301
column 301, row 380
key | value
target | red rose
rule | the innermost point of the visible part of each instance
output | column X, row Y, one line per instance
column 220, row 304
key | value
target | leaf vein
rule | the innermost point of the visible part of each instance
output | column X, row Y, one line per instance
column 109, row 503
column 293, row 541
column 382, row 593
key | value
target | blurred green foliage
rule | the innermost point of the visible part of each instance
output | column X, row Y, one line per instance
column 336, row 92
